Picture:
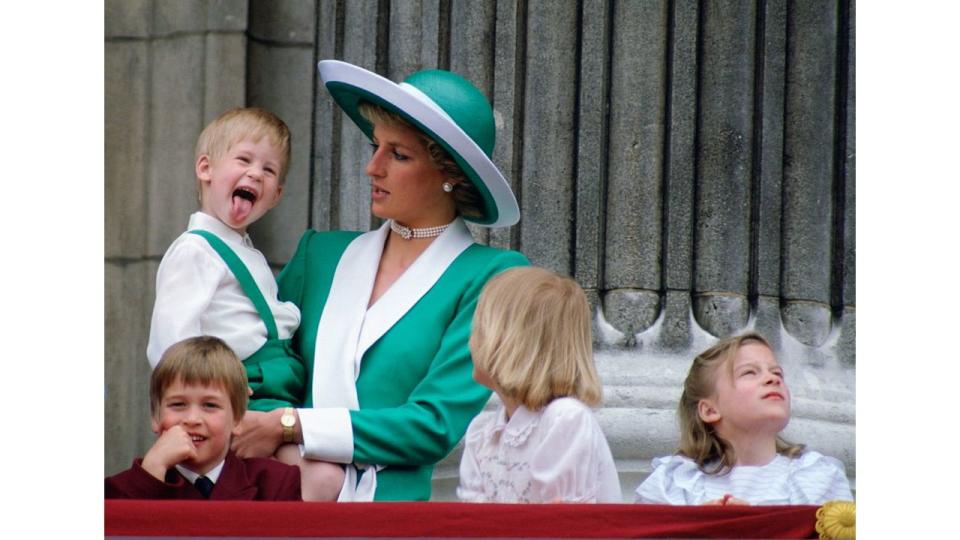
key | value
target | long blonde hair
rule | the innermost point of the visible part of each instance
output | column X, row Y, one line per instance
column 531, row 335
column 698, row 440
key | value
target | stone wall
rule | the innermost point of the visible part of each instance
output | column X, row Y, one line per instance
column 691, row 164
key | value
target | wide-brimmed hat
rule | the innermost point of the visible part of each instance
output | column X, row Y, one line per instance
column 448, row 109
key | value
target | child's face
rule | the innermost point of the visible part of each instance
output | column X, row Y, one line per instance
column 242, row 185
column 205, row 414
column 753, row 398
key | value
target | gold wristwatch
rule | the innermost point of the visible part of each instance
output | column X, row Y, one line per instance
column 287, row 421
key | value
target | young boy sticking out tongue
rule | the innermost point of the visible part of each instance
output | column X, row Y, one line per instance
column 212, row 281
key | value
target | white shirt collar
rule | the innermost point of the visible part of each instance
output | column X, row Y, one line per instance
column 213, row 474
column 518, row 428
column 201, row 220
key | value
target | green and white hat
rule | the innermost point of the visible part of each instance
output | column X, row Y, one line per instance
column 448, row 109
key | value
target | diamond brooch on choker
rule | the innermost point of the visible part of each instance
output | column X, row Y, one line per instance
column 426, row 232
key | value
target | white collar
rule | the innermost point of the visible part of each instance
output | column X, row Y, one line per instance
column 347, row 328
column 517, row 429
column 201, row 220
column 213, row 474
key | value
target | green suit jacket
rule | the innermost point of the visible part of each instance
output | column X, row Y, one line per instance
column 415, row 387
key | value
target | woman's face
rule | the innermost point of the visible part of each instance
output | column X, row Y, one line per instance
column 405, row 185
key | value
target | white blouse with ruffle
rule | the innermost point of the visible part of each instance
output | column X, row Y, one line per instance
column 557, row 454
column 811, row 478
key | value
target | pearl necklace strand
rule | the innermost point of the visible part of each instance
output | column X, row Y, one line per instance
column 426, row 232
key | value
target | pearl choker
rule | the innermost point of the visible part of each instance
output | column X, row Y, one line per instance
column 427, row 232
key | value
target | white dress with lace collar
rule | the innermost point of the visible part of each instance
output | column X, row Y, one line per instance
column 556, row 454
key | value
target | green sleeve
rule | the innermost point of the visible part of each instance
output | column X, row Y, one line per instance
column 425, row 428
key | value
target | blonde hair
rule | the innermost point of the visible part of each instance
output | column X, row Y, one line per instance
column 202, row 360
column 243, row 123
column 698, row 440
column 531, row 335
column 465, row 195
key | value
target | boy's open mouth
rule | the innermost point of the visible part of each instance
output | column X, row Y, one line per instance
column 245, row 193
column 243, row 199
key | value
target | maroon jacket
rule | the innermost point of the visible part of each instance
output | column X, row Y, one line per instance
column 251, row 479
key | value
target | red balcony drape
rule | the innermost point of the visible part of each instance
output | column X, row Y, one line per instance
column 439, row 519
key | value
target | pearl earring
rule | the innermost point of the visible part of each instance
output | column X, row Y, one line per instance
column 448, row 187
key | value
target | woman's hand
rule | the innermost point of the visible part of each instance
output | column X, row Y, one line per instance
column 258, row 435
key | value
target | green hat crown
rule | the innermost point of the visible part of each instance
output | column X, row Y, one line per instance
column 466, row 105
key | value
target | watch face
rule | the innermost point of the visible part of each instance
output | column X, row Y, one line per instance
column 287, row 420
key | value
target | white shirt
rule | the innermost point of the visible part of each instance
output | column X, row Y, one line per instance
column 811, row 478
column 197, row 294
column 557, row 454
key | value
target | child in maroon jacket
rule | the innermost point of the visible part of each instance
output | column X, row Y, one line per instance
column 198, row 395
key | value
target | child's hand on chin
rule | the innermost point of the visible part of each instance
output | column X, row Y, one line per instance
column 172, row 447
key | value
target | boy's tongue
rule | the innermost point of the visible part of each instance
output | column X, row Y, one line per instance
column 240, row 209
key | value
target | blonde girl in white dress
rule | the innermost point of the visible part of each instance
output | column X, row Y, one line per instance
column 734, row 405
column 531, row 344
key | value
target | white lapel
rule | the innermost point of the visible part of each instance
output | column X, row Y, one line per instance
column 412, row 285
column 334, row 373
column 347, row 329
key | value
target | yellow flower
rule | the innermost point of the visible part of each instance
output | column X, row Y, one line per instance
column 837, row 520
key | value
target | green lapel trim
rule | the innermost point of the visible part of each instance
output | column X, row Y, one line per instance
column 247, row 283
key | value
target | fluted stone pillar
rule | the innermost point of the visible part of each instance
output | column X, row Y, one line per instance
column 724, row 166
column 634, row 206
